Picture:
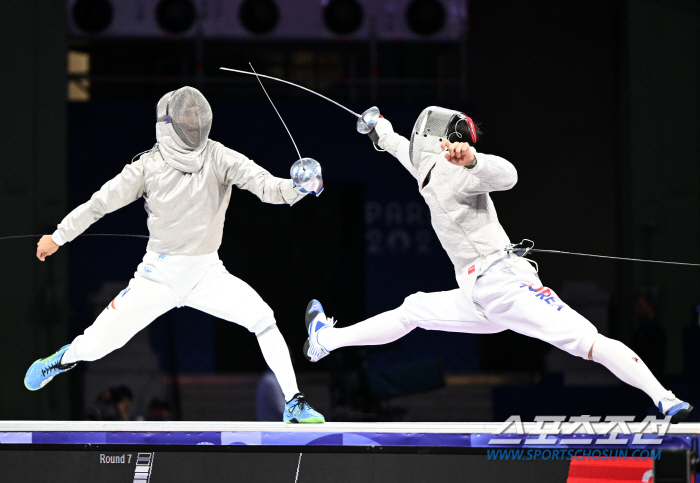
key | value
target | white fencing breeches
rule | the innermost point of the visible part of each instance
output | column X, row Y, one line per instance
column 506, row 297
column 511, row 296
column 217, row 293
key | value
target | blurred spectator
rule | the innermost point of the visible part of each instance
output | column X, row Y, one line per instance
column 159, row 410
column 649, row 338
column 112, row 404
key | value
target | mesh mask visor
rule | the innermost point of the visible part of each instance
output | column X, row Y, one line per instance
column 433, row 124
column 189, row 113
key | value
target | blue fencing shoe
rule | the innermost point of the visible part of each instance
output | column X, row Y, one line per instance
column 42, row 371
column 315, row 321
column 674, row 407
column 298, row 410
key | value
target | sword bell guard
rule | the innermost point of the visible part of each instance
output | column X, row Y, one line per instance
column 306, row 176
column 368, row 120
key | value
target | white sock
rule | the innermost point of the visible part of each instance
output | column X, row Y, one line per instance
column 380, row 329
column 628, row 367
column 70, row 356
column 276, row 353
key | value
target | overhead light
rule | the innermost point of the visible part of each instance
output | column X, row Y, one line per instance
column 342, row 16
column 175, row 16
column 92, row 16
column 259, row 16
column 425, row 17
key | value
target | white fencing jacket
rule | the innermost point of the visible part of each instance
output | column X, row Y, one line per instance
column 461, row 211
column 186, row 206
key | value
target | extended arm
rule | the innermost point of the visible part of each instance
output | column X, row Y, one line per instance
column 384, row 136
column 233, row 168
column 121, row 190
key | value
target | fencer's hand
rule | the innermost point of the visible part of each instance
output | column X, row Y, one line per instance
column 457, row 153
column 381, row 129
column 45, row 247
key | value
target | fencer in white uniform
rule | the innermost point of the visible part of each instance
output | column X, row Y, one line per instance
column 497, row 289
column 186, row 182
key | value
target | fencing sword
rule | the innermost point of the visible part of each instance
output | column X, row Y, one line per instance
column 365, row 124
column 365, row 121
column 275, row 108
column 303, row 168
column 305, row 172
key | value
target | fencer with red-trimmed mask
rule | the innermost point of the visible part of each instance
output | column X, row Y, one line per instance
column 498, row 290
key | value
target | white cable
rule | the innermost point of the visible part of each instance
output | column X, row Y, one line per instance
column 518, row 247
column 537, row 267
column 142, row 152
column 82, row 234
column 616, row 258
column 510, row 251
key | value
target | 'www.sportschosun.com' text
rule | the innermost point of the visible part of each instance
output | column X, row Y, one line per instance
column 571, row 454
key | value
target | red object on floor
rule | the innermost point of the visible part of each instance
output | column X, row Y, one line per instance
column 588, row 470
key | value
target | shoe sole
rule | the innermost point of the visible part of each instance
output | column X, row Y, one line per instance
column 309, row 316
column 43, row 383
column 307, row 421
column 307, row 320
column 681, row 415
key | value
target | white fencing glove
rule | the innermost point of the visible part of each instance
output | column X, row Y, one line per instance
column 382, row 128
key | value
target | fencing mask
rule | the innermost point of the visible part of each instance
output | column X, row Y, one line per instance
column 189, row 113
column 435, row 124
